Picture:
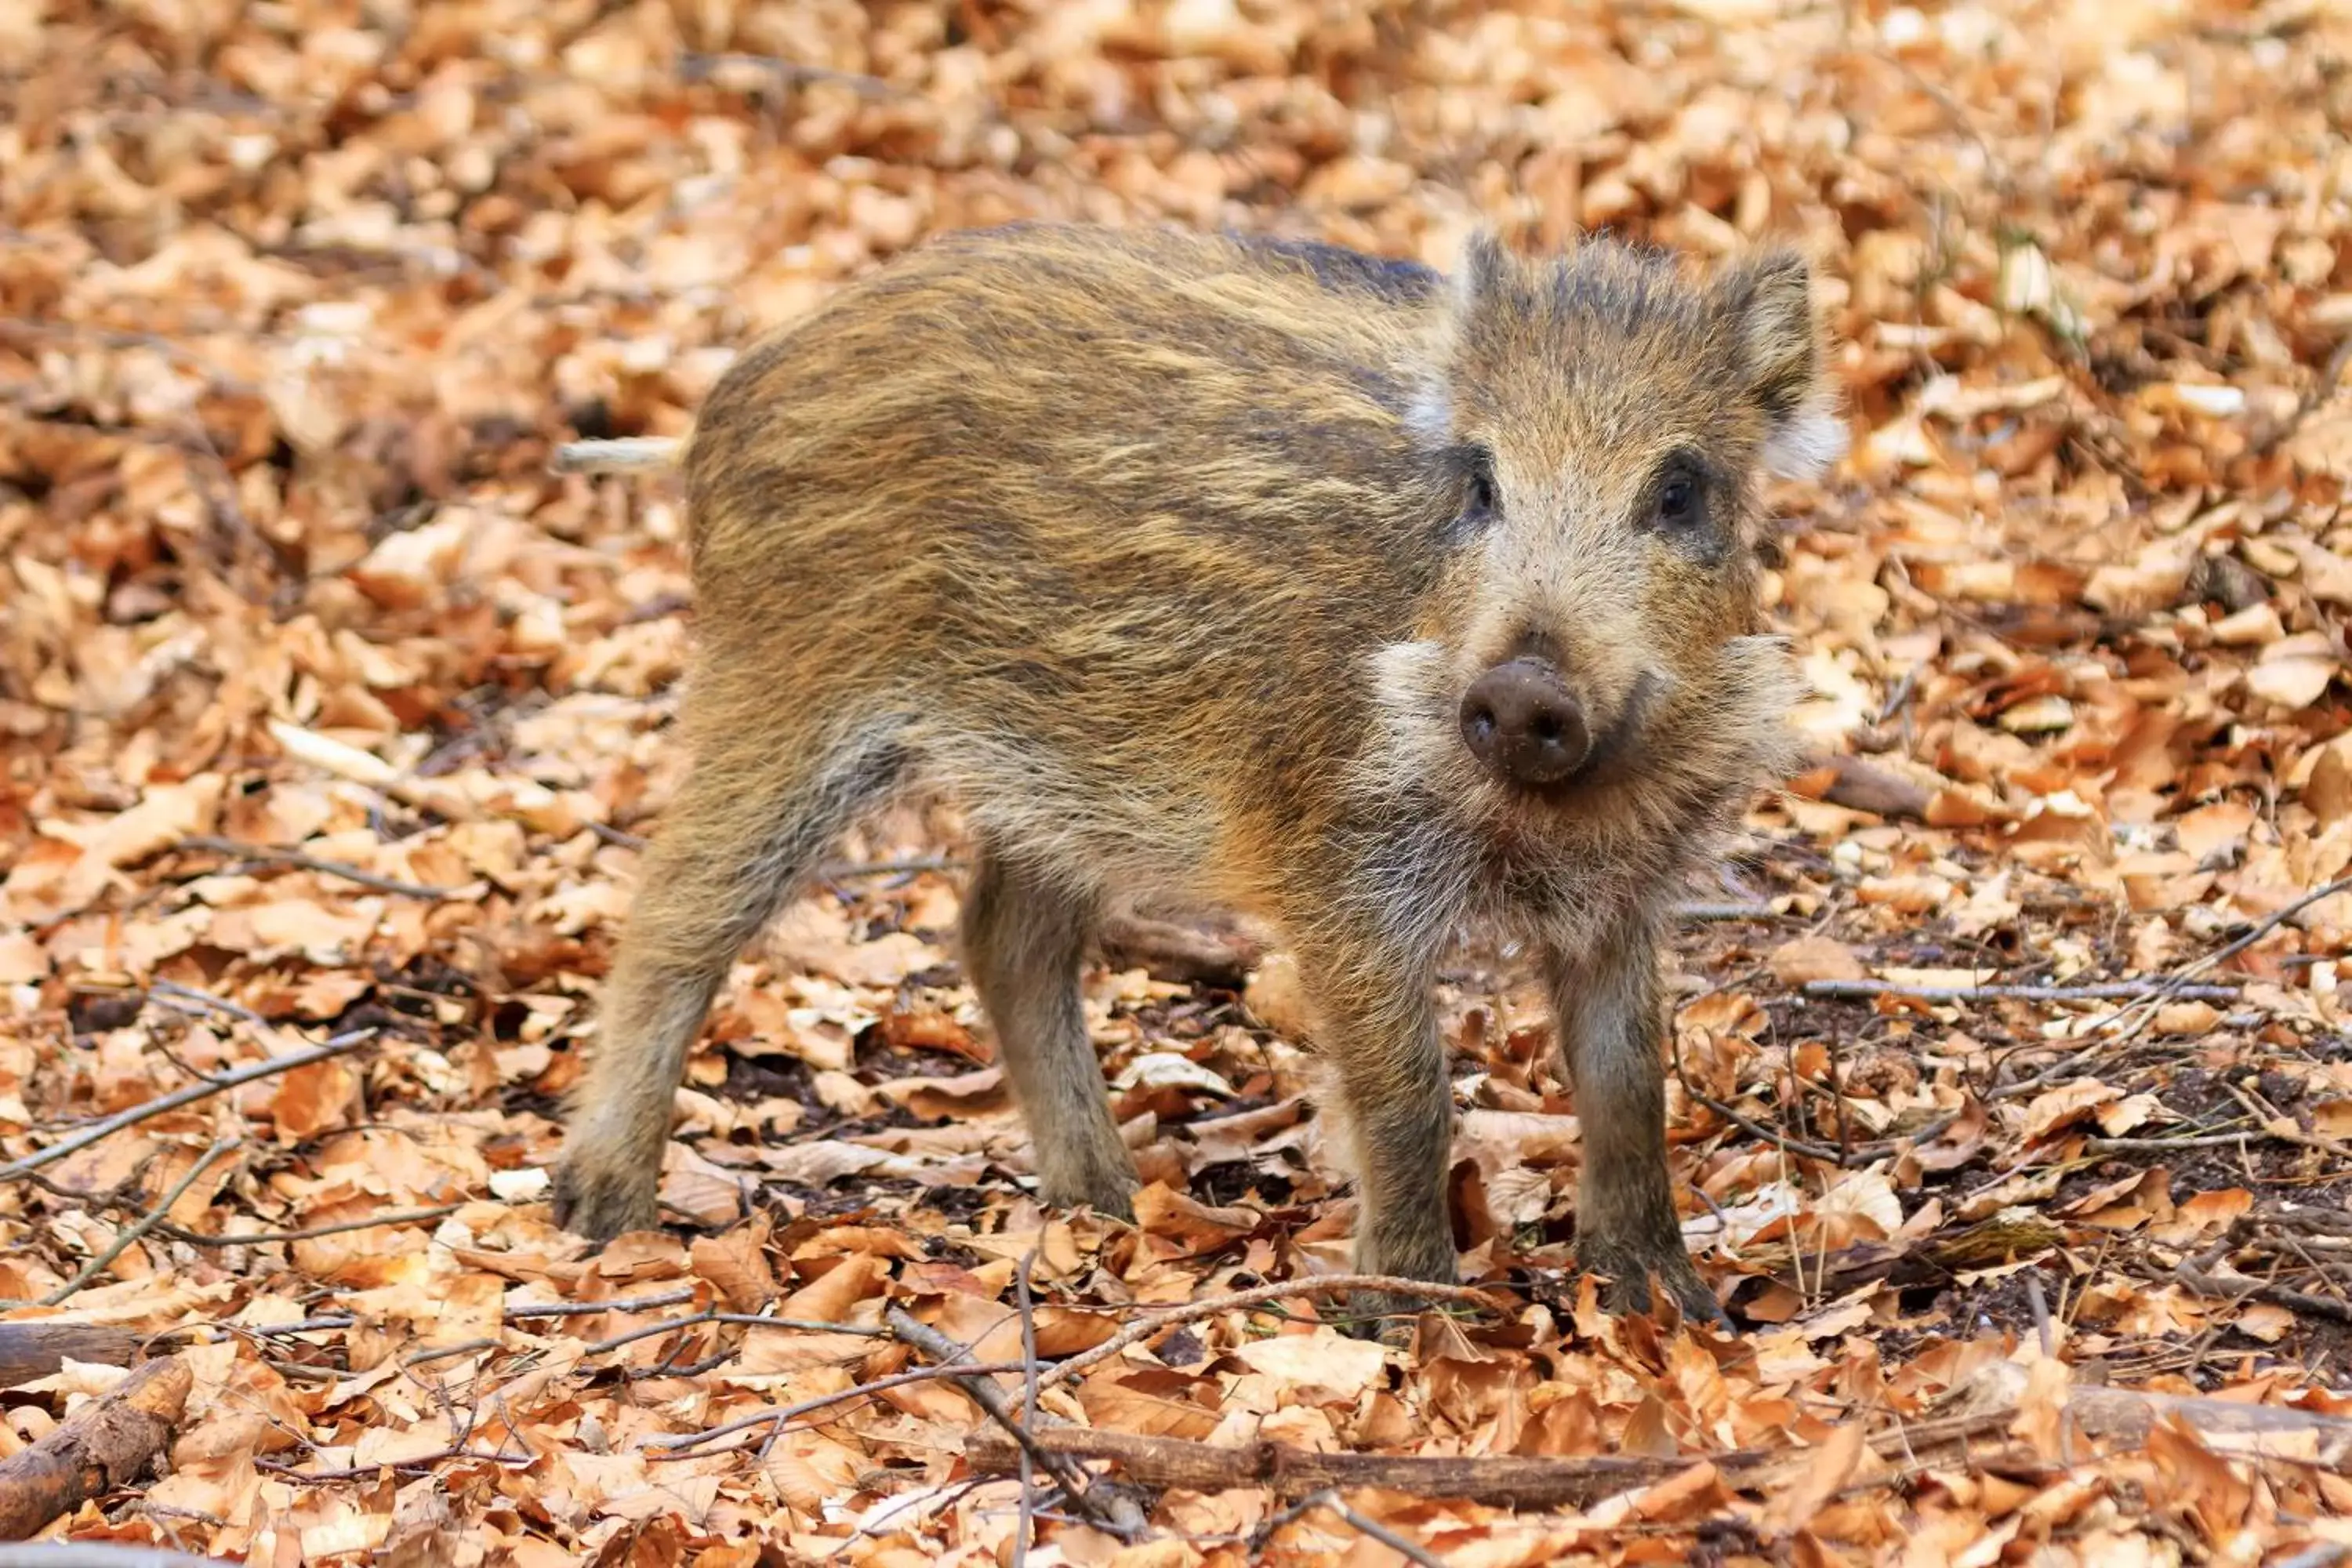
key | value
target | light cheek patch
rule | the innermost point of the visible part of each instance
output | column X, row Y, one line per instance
column 1807, row 443
column 1430, row 415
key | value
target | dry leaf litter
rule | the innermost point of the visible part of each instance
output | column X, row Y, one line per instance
column 2010, row 1056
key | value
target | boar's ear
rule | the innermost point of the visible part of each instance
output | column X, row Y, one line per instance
column 1478, row 298
column 1767, row 302
column 1488, row 278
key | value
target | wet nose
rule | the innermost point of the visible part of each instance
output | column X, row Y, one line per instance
column 1524, row 725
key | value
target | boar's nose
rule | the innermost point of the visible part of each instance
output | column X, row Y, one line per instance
column 1524, row 725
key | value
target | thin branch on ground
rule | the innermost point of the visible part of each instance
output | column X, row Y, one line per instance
column 2282, row 1127
column 587, row 1309
column 1318, row 1285
column 680, row 1446
column 280, row 855
column 2094, row 991
column 131, row 1234
column 309, row 1233
column 2156, row 1145
column 339, row 1046
column 1117, row 1515
column 170, row 991
column 1026, row 1528
column 1328, row 1500
column 326, row 1322
column 2139, row 1013
column 419, row 1464
column 744, row 1320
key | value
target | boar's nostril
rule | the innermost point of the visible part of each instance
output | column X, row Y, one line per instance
column 1524, row 725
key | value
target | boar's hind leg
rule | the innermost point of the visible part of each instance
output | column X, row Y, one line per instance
column 1023, row 937
column 1373, row 1013
column 1609, row 1009
column 756, row 812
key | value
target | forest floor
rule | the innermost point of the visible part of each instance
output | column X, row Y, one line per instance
column 333, row 718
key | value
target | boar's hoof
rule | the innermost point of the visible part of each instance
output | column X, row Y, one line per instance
column 1524, row 725
column 601, row 1203
column 1630, row 1274
column 1384, row 1316
column 1110, row 1192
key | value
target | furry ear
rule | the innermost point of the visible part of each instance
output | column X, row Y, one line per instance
column 1485, row 270
column 1487, row 278
column 1768, row 299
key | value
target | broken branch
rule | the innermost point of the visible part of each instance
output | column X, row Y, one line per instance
column 33, row 1350
column 1500, row 1479
column 107, row 1444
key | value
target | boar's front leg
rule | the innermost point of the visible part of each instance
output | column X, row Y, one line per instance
column 1372, row 1011
column 1023, row 936
column 1610, row 1011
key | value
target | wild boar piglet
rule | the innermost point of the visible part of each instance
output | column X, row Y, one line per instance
column 1369, row 600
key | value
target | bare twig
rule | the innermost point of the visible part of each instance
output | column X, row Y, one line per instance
column 679, row 1446
column 326, row 1322
column 310, row 1233
column 2282, row 1126
column 2208, row 1274
column 1318, row 1285
column 339, row 1045
column 587, row 1308
column 2097, row 990
column 2040, row 1306
column 623, row 454
column 2167, row 1145
column 649, row 1332
column 2180, row 978
column 172, row 991
column 1329, row 1501
column 276, row 854
column 745, row 1319
column 132, row 1233
column 1026, row 1528
column 1117, row 1516
column 370, row 1472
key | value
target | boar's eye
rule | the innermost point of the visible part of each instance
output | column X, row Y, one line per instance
column 1478, row 496
column 1678, row 499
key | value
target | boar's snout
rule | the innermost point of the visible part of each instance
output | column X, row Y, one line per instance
column 1523, row 723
